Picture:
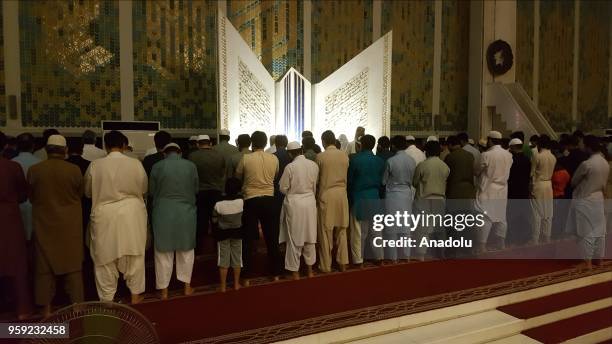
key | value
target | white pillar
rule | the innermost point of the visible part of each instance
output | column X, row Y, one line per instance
column 376, row 19
column 575, row 66
column 504, row 21
column 12, row 70
column 126, row 60
column 437, row 61
column 307, row 41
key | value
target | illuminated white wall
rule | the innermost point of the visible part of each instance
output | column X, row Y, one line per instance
column 293, row 105
column 246, row 89
column 357, row 94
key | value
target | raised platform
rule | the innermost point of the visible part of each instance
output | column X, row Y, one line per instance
column 573, row 311
column 349, row 306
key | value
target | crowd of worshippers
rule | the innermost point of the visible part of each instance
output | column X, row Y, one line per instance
column 71, row 198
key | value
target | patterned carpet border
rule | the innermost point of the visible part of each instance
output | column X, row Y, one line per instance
column 397, row 309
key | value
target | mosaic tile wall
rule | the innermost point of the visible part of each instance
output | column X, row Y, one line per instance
column 412, row 23
column 3, row 112
column 340, row 30
column 69, row 62
column 274, row 30
column 454, row 66
column 594, row 57
column 523, row 52
column 175, row 62
column 556, row 62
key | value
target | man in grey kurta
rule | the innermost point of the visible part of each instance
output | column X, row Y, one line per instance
column 397, row 178
column 587, row 213
column 173, row 187
column 244, row 142
column 226, row 150
column 211, row 172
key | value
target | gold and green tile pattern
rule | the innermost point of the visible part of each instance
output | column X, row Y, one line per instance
column 523, row 52
column 274, row 29
column 593, row 62
column 175, row 62
column 454, row 66
column 412, row 23
column 69, row 52
column 340, row 30
column 556, row 63
column 3, row 110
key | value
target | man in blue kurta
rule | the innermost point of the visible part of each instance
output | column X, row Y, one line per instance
column 364, row 180
column 173, row 186
column 399, row 171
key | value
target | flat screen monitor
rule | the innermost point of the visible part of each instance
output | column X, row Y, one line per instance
column 139, row 133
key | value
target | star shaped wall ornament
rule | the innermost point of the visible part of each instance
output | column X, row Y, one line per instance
column 499, row 57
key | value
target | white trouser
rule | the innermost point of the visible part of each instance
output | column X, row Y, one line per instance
column 164, row 263
column 542, row 212
column 362, row 235
column 133, row 270
column 498, row 228
column 293, row 253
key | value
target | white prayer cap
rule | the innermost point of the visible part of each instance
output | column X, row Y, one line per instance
column 482, row 142
column 193, row 138
column 203, row 138
column 224, row 132
column 410, row 138
column 515, row 141
column 171, row 145
column 471, row 141
column 56, row 140
column 294, row 145
column 494, row 134
column 432, row 138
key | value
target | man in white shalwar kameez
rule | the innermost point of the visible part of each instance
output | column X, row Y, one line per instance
column 118, row 225
column 542, row 168
column 586, row 218
column 492, row 191
column 413, row 151
column 298, row 222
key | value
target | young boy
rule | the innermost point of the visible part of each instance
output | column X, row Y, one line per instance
column 227, row 230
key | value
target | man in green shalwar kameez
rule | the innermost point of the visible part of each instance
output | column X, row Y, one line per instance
column 173, row 186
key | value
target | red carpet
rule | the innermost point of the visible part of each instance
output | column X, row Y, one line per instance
column 552, row 303
column 560, row 331
column 210, row 315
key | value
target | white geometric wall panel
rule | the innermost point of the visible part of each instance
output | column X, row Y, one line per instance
column 357, row 94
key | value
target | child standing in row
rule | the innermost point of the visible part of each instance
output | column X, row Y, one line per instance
column 227, row 230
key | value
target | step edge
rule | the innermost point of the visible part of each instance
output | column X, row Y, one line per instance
column 592, row 337
column 573, row 311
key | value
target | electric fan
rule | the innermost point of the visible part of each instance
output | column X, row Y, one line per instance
column 102, row 323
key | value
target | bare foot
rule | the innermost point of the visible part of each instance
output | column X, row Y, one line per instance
column 276, row 278
column 310, row 273
column 137, row 298
column 236, row 286
column 163, row 294
column 188, row 289
column 222, row 288
column 295, row 275
column 342, row 267
column 246, row 282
